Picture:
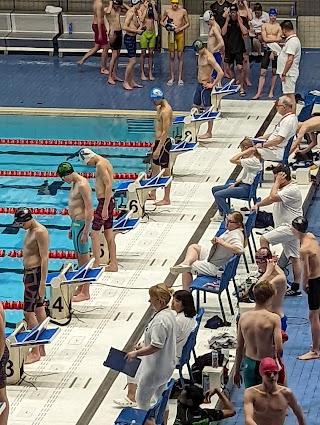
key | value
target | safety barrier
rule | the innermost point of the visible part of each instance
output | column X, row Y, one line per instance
column 80, row 143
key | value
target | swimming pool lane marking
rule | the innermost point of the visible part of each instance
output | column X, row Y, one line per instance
column 111, row 376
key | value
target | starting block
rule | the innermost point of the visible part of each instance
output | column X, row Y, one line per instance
column 191, row 123
column 181, row 147
column 219, row 92
column 19, row 342
column 2, row 406
column 63, row 285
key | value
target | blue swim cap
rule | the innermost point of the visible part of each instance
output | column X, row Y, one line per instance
column 156, row 94
column 273, row 12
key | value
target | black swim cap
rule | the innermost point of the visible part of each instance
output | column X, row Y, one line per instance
column 22, row 215
column 64, row 169
column 300, row 224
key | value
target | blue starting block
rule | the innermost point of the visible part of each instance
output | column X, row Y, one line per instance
column 193, row 118
column 2, row 406
column 219, row 92
column 182, row 146
column 125, row 223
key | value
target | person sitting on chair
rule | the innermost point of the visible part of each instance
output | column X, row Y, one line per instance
column 190, row 412
column 250, row 161
column 202, row 260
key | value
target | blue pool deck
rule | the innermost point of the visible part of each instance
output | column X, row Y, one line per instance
column 43, row 82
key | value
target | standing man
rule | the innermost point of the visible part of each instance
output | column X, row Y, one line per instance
column 206, row 66
column 100, row 37
column 103, row 215
column 270, row 401
column 133, row 27
column 80, row 212
column 259, row 336
column 288, row 61
column 148, row 16
column 233, row 32
column 4, row 357
column 215, row 43
column 286, row 198
column 163, row 143
column 112, row 12
column 219, row 7
column 175, row 21
column 35, row 253
column 271, row 32
column 310, row 258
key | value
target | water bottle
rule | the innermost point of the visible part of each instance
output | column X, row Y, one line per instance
column 292, row 11
column 231, row 209
column 219, row 273
column 248, row 284
column 70, row 28
column 214, row 358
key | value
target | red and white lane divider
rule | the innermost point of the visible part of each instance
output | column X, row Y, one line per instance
column 12, row 173
column 80, row 143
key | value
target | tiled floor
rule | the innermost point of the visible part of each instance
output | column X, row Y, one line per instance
column 40, row 81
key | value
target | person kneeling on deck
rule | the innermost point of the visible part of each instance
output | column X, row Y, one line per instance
column 103, row 215
column 250, row 161
column 80, row 212
column 189, row 411
column 207, row 65
column 201, row 260
column 162, row 144
column 35, row 253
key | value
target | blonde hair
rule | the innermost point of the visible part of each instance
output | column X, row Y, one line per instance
column 246, row 144
column 162, row 292
column 238, row 218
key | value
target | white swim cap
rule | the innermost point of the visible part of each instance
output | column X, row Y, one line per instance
column 134, row 2
column 207, row 16
column 85, row 155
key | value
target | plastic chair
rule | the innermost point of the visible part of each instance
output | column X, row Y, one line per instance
column 199, row 284
column 307, row 109
column 253, row 190
column 128, row 414
column 249, row 225
column 198, row 320
column 285, row 158
column 163, row 406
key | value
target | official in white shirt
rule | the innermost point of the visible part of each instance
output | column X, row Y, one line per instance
column 289, row 61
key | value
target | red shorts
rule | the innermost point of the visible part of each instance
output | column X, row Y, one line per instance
column 97, row 216
column 104, row 39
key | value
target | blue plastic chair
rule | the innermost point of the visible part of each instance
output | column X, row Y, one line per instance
column 198, row 320
column 199, row 284
column 251, row 221
column 128, row 414
column 165, row 398
column 307, row 109
column 253, row 190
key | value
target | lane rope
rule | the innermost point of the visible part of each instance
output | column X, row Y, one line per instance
column 85, row 143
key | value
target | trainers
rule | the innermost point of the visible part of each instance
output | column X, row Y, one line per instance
column 125, row 402
column 218, row 217
column 291, row 293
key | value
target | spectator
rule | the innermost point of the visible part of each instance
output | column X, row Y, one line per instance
column 207, row 66
column 274, row 143
column 175, row 21
column 233, row 31
column 251, row 164
column 286, row 198
column 158, row 351
column 201, row 260
column 190, row 412
column 259, row 17
column 289, row 61
column 259, row 409
column 148, row 16
column 218, row 8
column 270, row 33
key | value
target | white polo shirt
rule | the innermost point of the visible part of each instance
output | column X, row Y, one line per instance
column 290, row 206
column 251, row 167
column 291, row 47
column 256, row 22
column 286, row 128
column 185, row 326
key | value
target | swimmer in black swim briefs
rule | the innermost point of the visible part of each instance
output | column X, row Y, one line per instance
column 164, row 158
column 31, row 280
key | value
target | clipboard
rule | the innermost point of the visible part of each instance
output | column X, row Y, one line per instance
column 116, row 360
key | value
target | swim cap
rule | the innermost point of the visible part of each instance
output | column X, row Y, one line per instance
column 207, row 16
column 22, row 215
column 156, row 94
column 233, row 8
column 118, row 2
column 197, row 45
column 268, row 365
column 134, row 2
column 64, row 169
column 273, row 12
column 175, row 1
column 300, row 224
column 85, row 155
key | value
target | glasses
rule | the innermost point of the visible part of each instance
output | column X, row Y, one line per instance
column 278, row 104
column 231, row 221
column 271, row 374
column 261, row 260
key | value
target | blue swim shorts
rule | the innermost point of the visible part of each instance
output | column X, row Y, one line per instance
column 218, row 58
column 77, row 227
column 202, row 96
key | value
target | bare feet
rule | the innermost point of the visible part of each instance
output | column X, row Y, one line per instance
column 118, row 79
column 151, row 77
column 256, row 97
column 151, row 196
column 104, row 71
column 111, row 81
column 270, row 95
column 143, row 77
column 80, row 63
column 137, row 86
column 111, row 268
column 80, row 297
column 32, row 358
column 170, row 82
column 248, row 83
column 161, row 203
column 205, row 136
column 126, row 86
column 42, row 351
column 311, row 355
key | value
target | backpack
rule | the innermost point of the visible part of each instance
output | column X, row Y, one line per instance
column 199, row 364
column 264, row 219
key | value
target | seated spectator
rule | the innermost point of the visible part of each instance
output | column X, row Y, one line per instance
column 259, row 17
column 273, row 145
column 251, row 163
column 189, row 411
column 202, row 260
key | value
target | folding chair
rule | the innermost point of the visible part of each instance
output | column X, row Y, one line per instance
column 285, row 158
column 186, row 354
column 307, row 109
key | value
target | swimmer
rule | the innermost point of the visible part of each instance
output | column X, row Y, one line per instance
column 103, row 215
column 270, row 400
column 35, row 252
column 80, row 212
column 310, row 259
column 162, row 144
column 100, row 37
column 215, row 43
column 259, row 336
column 148, row 16
column 175, row 20
column 132, row 26
column 311, row 127
column 4, row 357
